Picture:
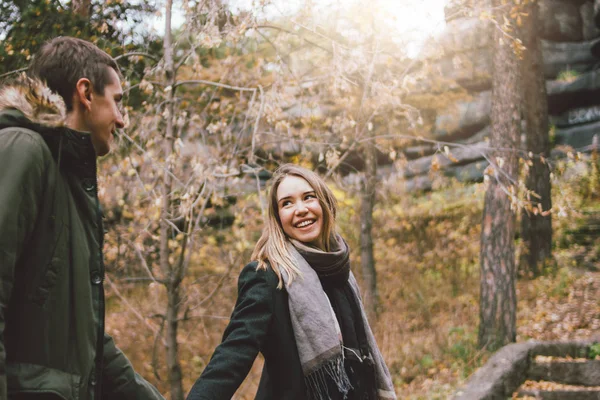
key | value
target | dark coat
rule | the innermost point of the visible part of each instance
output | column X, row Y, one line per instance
column 52, row 339
column 261, row 323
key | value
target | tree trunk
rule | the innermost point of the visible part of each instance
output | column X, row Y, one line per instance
column 366, row 230
column 369, row 184
column 498, row 302
column 536, row 229
column 174, row 369
column 170, row 273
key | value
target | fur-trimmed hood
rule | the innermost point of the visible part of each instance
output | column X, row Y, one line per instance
column 38, row 104
column 28, row 103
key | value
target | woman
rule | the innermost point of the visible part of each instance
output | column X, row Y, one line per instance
column 298, row 304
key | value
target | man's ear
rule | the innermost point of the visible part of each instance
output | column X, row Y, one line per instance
column 83, row 93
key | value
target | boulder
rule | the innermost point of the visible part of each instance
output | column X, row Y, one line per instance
column 576, row 116
column 418, row 151
column 580, row 138
column 480, row 136
column 560, row 21
column 563, row 56
column 567, row 372
column 455, row 9
column 464, row 34
column 462, row 119
column 468, row 173
column 464, row 173
column 305, row 110
column 282, row 148
column 418, row 184
column 471, row 69
column 595, row 49
column 458, row 156
column 509, row 367
column 582, row 91
column 590, row 30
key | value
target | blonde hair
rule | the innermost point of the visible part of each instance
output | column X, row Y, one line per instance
column 271, row 248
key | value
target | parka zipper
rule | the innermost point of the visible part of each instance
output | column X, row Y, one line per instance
column 99, row 281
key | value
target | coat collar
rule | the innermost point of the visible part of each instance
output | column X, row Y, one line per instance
column 30, row 104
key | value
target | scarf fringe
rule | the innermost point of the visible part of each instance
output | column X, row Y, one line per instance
column 331, row 371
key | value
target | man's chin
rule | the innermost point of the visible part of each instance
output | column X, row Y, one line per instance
column 102, row 150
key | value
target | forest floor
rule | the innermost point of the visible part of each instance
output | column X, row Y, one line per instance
column 427, row 252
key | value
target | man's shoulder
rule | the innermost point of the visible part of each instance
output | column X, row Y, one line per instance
column 24, row 141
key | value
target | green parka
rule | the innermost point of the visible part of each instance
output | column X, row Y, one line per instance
column 52, row 339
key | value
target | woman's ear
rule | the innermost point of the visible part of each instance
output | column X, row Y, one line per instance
column 83, row 93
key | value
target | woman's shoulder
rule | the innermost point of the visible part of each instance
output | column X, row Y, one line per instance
column 252, row 273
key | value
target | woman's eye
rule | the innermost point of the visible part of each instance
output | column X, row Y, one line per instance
column 310, row 196
column 286, row 203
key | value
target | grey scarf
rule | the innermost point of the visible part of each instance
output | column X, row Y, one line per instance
column 316, row 330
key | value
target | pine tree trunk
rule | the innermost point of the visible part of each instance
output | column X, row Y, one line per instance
column 366, row 230
column 498, row 301
column 536, row 229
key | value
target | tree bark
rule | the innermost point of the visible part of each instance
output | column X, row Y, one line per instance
column 170, row 272
column 367, row 258
column 498, row 301
column 369, row 185
column 536, row 229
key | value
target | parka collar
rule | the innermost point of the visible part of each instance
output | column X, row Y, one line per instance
column 28, row 103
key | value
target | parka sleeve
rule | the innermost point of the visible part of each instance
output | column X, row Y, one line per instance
column 243, row 338
column 119, row 380
column 24, row 162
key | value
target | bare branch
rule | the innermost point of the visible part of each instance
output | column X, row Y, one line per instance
column 120, row 132
column 13, row 72
column 144, row 263
column 137, row 53
column 135, row 312
column 210, row 83
column 157, row 337
column 297, row 34
column 258, row 116
column 232, row 264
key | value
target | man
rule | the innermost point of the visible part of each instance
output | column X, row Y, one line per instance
column 53, row 125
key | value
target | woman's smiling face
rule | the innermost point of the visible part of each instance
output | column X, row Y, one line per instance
column 299, row 210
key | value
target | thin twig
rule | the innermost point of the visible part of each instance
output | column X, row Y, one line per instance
column 256, row 123
column 136, row 53
column 135, row 312
column 211, row 83
column 144, row 263
column 232, row 264
column 13, row 72
column 120, row 132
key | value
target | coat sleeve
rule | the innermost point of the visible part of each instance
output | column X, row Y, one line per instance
column 24, row 162
column 243, row 338
column 120, row 381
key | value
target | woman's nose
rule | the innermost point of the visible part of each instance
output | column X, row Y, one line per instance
column 301, row 208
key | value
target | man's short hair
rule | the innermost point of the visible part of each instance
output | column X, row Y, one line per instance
column 62, row 61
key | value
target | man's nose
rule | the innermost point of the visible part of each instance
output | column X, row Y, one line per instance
column 120, row 122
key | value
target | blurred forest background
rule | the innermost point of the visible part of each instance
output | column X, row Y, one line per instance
column 397, row 104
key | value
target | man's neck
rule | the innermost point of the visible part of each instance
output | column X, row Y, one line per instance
column 75, row 122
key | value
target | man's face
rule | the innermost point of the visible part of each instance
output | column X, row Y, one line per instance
column 104, row 116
